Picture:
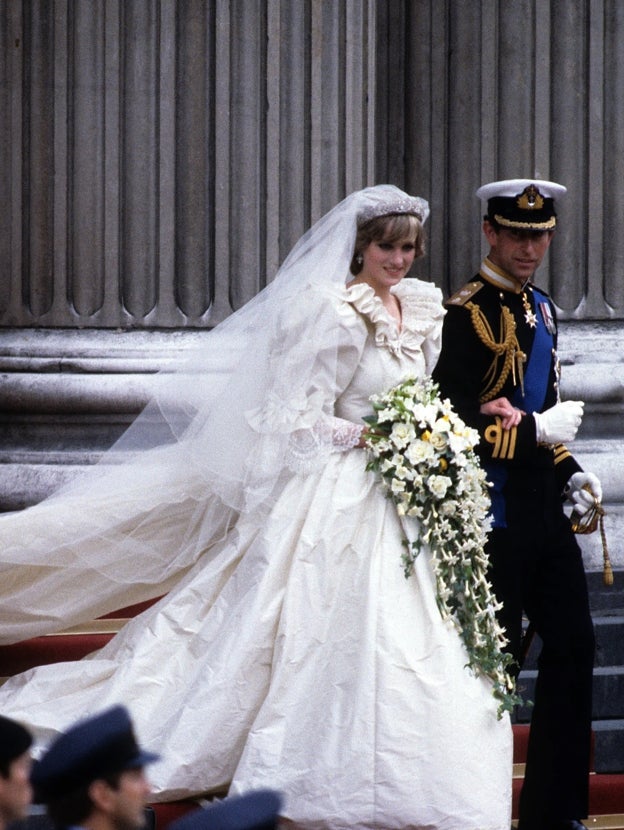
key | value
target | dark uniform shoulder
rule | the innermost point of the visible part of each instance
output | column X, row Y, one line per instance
column 538, row 290
column 465, row 293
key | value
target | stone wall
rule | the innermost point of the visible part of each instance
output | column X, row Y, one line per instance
column 592, row 360
column 158, row 158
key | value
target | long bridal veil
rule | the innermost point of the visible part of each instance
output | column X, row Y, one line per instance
column 222, row 433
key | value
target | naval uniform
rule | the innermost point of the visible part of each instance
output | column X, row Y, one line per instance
column 499, row 340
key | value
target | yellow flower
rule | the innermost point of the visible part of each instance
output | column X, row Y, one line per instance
column 443, row 464
column 426, row 435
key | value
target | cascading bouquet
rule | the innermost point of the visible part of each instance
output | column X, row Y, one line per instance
column 425, row 456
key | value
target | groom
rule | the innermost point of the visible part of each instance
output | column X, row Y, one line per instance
column 499, row 368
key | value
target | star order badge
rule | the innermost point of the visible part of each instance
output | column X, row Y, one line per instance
column 530, row 317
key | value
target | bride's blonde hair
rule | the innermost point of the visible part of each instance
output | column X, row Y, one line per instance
column 389, row 228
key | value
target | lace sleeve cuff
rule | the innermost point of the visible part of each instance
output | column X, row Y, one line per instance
column 345, row 434
column 308, row 448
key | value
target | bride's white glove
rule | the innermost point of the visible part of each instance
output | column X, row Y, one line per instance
column 583, row 490
column 559, row 423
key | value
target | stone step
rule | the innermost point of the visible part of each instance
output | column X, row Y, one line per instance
column 608, row 692
column 41, row 434
column 609, row 745
column 606, row 599
column 608, row 713
column 609, row 633
column 24, row 484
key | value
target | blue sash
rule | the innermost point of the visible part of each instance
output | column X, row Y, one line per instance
column 536, row 379
column 537, row 370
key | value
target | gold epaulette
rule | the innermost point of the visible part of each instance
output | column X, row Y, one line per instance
column 465, row 293
column 560, row 452
column 503, row 440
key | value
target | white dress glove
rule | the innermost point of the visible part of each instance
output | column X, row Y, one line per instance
column 579, row 496
column 559, row 423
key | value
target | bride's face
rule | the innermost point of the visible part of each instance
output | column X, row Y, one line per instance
column 385, row 263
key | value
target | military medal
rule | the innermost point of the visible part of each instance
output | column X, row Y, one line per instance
column 530, row 318
column 547, row 317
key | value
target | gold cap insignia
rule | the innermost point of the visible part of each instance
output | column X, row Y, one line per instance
column 530, row 199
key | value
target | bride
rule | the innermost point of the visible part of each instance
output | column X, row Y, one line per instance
column 289, row 650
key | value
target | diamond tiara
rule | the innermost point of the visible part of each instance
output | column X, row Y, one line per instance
column 410, row 204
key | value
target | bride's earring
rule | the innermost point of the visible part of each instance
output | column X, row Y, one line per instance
column 359, row 259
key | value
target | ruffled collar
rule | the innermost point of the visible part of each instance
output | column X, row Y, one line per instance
column 421, row 311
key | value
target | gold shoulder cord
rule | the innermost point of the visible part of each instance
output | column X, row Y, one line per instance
column 508, row 348
column 514, row 359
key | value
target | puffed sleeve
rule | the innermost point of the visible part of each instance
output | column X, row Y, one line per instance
column 314, row 356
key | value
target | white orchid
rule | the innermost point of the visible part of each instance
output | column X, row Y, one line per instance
column 397, row 486
column 403, row 472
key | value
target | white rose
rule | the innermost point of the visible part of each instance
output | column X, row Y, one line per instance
column 419, row 451
column 438, row 440
column 439, row 485
column 402, row 434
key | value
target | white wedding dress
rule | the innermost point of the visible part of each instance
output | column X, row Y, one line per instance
column 293, row 653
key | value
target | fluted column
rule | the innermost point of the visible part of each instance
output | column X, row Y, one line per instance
column 479, row 91
column 160, row 157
